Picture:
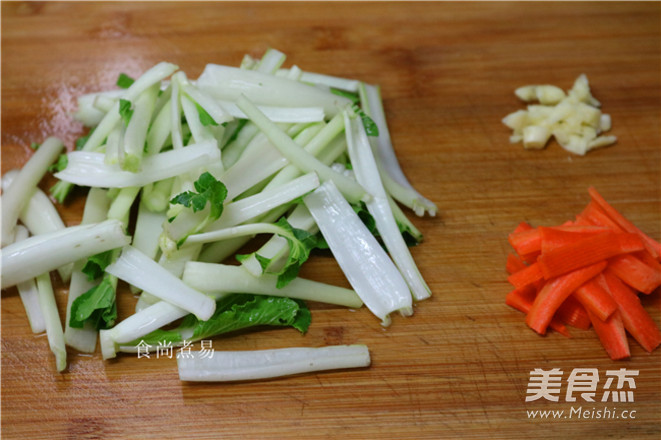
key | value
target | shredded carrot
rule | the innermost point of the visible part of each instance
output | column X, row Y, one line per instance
column 514, row 264
column 552, row 238
column 636, row 320
column 644, row 276
column 594, row 296
column 587, row 251
column 555, row 292
column 572, row 313
column 612, row 335
column 531, row 274
column 653, row 246
column 522, row 300
column 587, row 273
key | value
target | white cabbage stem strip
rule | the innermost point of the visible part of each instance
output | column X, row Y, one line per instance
column 393, row 177
column 264, row 364
column 220, row 279
column 366, row 265
column 52, row 319
column 112, row 117
column 144, row 273
column 367, row 174
column 89, row 169
column 298, row 156
column 39, row 216
column 84, row 339
column 43, row 253
column 229, row 83
column 29, row 294
column 24, row 184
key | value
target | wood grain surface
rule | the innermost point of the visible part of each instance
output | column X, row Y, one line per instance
column 459, row 368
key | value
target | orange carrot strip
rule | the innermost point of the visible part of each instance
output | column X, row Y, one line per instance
column 595, row 298
column 644, row 276
column 556, row 237
column 636, row 320
column 523, row 226
column 526, row 242
column 594, row 215
column 612, row 335
column 572, row 313
column 555, row 292
column 653, row 246
column 587, row 251
column 524, row 277
column 522, row 300
column 514, row 264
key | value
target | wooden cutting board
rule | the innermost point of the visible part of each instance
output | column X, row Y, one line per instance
column 459, row 368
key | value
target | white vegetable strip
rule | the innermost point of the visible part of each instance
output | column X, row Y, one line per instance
column 349, row 85
column 148, row 227
column 175, row 112
column 84, row 339
column 229, row 83
column 278, row 114
column 298, row 156
column 367, row 174
column 251, row 169
column 393, row 177
column 264, row 364
column 160, row 130
column 52, row 319
column 107, row 124
column 271, row 61
column 220, row 279
column 87, row 113
column 146, row 321
column 20, row 192
column 43, row 253
column 39, row 216
column 368, row 268
column 139, row 270
column 136, row 131
column 29, row 294
column 217, row 113
column 89, row 169
column 199, row 132
column 245, row 209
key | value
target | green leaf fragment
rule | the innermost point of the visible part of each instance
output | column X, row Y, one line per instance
column 62, row 162
column 125, row 110
column 97, row 306
column 96, row 264
column 124, row 81
column 205, row 117
column 209, row 189
column 236, row 312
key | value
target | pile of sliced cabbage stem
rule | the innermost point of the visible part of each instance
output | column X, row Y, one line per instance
column 209, row 164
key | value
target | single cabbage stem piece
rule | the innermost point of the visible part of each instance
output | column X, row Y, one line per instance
column 393, row 177
column 24, row 184
column 219, row 280
column 89, row 169
column 43, row 253
column 264, row 364
column 139, row 270
column 84, row 339
column 298, row 156
column 368, row 268
column 367, row 174
column 52, row 319
column 29, row 294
